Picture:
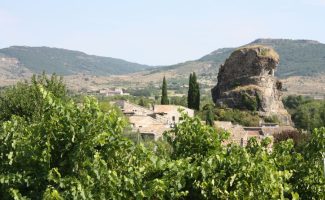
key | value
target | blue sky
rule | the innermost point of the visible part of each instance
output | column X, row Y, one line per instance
column 156, row 32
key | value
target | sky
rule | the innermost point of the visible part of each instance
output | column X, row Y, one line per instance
column 156, row 32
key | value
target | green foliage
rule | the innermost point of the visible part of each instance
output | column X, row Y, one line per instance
column 133, row 99
column 190, row 95
column 298, row 138
column 306, row 165
column 306, row 113
column 245, row 118
column 193, row 97
column 209, row 115
column 308, row 116
column 249, row 103
column 175, row 100
column 272, row 119
column 57, row 152
column 77, row 151
column 209, row 118
column 146, row 92
column 233, row 172
column 164, row 97
column 24, row 99
column 191, row 139
column 142, row 103
column 243, row 174
column 292, row 101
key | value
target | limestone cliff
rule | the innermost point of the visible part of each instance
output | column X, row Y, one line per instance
column 246, row 81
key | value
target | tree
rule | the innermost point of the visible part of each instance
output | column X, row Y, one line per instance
column 79, row 152
column 309, row 116
column 25, row 100
column 193, row 98
column 209, row 118
column 196, row 93
column 164, row 97
column 192, row 139
column 209, row 114
column 190, row 99
column 299, row 139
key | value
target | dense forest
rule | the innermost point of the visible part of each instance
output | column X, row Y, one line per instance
column 52, row 147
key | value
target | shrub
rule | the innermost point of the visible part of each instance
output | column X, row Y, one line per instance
column 249, row 103
column 272, row 119
column 245, row 118
column 297, row 137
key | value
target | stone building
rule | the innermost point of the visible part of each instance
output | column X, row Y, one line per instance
column 152, row 122
column 172, row 113
column 148, row 126
column 241, row 134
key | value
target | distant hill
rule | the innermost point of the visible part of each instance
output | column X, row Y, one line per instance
column 297, row 58
column 67, row 62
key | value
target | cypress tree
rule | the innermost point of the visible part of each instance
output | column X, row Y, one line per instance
column 209, row 120
column 190, row 93
column 164, row 97
column 193, row 98
column 196, row 95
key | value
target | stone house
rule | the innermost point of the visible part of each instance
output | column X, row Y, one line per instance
column 172, row 113
column 148, row 126
column 152, row 122
column 240, row 134
column 237, row 133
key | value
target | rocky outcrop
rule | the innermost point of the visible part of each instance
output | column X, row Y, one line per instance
column 246, row 81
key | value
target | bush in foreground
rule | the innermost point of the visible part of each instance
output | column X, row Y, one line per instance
column 79, row 152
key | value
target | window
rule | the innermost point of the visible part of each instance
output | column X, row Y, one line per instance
column 173, row 118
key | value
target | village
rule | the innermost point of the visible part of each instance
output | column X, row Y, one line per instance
column 152, row 123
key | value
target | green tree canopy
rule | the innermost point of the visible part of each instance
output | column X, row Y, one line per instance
column 77, row 151
column 24, row 99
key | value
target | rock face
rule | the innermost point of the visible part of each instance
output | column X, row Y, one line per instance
column 246, row 81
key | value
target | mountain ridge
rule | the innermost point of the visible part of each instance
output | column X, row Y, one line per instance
column 297, row 58
column 68, row 62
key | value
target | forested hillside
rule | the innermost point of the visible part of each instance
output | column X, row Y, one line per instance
column 67, row 62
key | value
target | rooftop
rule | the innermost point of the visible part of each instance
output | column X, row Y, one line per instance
column 168, row 108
